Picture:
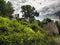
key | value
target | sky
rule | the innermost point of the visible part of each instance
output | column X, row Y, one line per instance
column 46, row 8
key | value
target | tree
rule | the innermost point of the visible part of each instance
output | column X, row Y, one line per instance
column 47, row 20
column 29, row 12
column 13, row 32
column 5, row 9
column 58, row 25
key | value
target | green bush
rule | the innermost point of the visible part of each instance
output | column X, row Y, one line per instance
column 58, row 25
column 13, row 32
column 45, row 21
column 6, row 9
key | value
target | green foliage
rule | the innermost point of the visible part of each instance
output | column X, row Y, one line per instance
column 45, row 21
column 5, row 9
column 13, row 32
column 17, row 32
column 29, row 11
column 58, row 25
column 40, row 24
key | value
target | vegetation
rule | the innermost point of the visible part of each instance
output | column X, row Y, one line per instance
column 58, row 25
column 47, row 20
column 5, row 9
column 13, row 32
column 19, row 32
column 29, row 12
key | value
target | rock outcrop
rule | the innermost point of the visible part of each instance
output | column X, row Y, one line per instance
column 51, row 28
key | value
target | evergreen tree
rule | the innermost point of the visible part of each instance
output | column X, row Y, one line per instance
column 5, row 9
column 29, row 11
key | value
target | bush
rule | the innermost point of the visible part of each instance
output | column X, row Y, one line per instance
column 6, row 9
column 13, row 32
column 45, row 21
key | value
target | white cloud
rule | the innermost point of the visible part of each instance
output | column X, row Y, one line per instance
column 38, row 4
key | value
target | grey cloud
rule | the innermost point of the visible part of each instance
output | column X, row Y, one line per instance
column 48, row 11
column 51, row 11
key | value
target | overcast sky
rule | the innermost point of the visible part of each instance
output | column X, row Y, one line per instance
column 42, row 6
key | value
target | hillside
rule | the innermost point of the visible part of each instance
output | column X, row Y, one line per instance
column 13, row 32
column 27, row 30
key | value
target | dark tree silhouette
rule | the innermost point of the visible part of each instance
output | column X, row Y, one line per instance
column 47, row 20
column 5, row 9
column 29, row 11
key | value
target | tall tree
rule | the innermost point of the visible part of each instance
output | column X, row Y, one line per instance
column 5, row 9
column 29, row 11
column 47, row 20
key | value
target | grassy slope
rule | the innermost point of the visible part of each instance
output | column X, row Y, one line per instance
column 14, row 32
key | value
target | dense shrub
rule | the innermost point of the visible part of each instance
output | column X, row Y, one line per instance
column 58, row 25
column 47, row 20
column 6, row 9
column 13, row 32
